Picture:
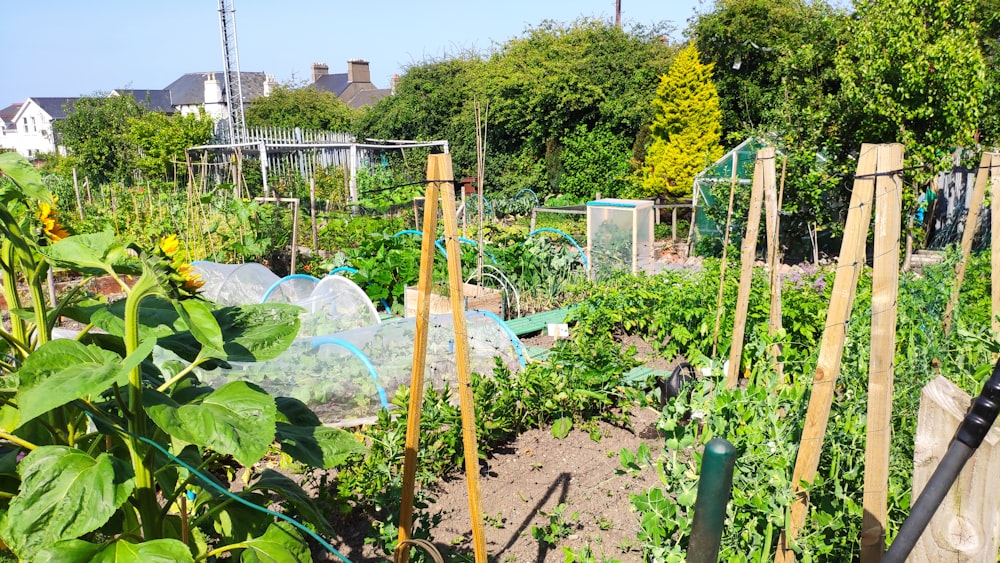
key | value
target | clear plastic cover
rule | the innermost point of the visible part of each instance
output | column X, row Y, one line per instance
column 235, row 284
column 335, row 304
column 620, row 235
column 290, row 289
column 348, row 376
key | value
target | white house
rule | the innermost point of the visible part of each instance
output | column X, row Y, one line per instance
column 32, row 125
column 206, row 90
column 27, row 127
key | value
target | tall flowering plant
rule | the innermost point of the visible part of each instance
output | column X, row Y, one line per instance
column 106, row 450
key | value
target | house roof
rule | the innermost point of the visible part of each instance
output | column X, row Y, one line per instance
column 151, row 100
column 55, row 107
column 333, row 83
column 367, row 97
column 189, row 89
column 8, row 113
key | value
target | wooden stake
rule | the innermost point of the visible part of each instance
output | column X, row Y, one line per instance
column 295, row 234
column 995, row 241
column 763, row 172
column 79, row 202
column 424, row 283
column 885, row 287
column 312, row 212
column 722, row 265
column 462, row 354
column 772, row 207
column 849, row 266
column 971, row 221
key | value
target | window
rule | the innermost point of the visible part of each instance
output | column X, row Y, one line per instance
column 34, row 126
column 24, row 124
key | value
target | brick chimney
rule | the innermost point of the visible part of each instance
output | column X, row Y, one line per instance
column 319, row 70
column 357, row 71
column 394, row 84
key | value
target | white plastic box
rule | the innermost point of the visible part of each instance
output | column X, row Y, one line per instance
column 620, row 236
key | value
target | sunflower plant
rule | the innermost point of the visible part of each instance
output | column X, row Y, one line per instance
column 110, row 448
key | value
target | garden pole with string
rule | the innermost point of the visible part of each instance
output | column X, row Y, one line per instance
column 422, row 323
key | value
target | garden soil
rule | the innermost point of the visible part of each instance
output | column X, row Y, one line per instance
column 523, row 486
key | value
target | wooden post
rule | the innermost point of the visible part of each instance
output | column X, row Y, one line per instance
column 312, row 213
column 968, row 234
column 849, row 266
column 295, row 233
column 995, row 241
column 723, row 263
column 462, row 363
column 885, row 287
column 424, row 283
column 966, row 526
column 763, row 172
column 673, row 226
column 79, row 202
column 772, row 207
column 534, row 216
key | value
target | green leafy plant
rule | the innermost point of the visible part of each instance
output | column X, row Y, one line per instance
column 117, row 452
column 559, row 526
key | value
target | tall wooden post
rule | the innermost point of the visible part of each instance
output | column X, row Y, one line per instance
column 312, row 213
column 424, row 283
column 995, row 241
column 763, row 172
column 462, row 363
column 771, row 219
column 885, row 286
column 971, row 221
column 849, row 266
column 439, row 169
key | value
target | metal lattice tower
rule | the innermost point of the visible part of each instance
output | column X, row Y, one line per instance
column 234, row 88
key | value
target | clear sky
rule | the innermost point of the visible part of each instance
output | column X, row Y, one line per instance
column 71, row 48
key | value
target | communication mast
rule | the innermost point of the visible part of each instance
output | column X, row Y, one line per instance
column 234, row 89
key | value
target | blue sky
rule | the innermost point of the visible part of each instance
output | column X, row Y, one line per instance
column 73, row 48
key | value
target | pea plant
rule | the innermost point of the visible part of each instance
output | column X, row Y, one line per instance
column 113, row 454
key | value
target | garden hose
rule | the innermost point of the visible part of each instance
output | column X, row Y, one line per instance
column 974, row 427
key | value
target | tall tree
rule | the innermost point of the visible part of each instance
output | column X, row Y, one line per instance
column 915, row 72
column 556, row 77
column 434, row 100
column 163, row 139
column 95, row 136
column 686, row 129
column 307, row 108
column 754, row 45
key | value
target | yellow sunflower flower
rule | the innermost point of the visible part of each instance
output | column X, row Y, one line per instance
column 192, row 281
column 50, row 222
column 169, row 245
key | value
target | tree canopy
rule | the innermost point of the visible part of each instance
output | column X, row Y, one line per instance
column 307, row 108
column 94, row 134
column 914, row 72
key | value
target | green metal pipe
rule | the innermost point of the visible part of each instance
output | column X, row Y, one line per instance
column 714, row 488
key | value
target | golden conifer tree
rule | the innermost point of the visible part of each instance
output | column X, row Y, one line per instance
column 686, row 130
